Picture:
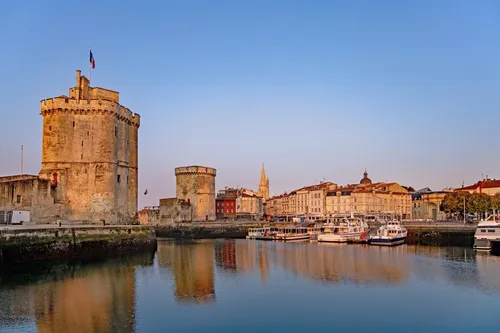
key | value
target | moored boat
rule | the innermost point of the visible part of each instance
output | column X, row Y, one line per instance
column 264, row 233
column 292, row 234
column 346, row 230
column 389, row 234
column 487, row 232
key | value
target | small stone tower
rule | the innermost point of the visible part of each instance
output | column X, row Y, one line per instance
column 264, row 184
column 89, row 152
column 196, row 184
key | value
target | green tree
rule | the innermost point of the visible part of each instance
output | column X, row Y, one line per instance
column 454, row 202
column 495, row 202
column 478, row 203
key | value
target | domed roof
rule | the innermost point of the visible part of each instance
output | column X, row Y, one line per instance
column 365, row 180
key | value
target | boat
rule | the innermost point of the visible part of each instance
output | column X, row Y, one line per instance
column 313, row 232
column 487, row 232
column 345, row 230
column 264, row 233
column 389, row 234
column 292, row 234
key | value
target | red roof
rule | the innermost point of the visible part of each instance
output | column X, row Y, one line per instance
column 487, row 183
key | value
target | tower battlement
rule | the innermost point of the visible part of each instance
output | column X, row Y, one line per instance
column 195, row 169
column 66, row 105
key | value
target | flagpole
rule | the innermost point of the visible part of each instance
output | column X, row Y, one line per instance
column 90, row 67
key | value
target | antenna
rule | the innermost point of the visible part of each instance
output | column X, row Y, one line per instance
column 22, row 148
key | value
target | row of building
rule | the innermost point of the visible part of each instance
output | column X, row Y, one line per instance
column 381, row 199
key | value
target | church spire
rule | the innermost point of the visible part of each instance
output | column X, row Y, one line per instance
column 263, row 177
column 264, row 184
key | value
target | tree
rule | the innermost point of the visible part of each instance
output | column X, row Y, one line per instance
column 478, row 203
column 495, row 202
column 454, row 202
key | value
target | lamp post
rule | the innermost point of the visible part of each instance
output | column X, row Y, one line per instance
column 464, row 209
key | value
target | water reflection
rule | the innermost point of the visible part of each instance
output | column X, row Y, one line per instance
column 106, row 297
column 74, row 298
column 192, row 264
column 336, row 263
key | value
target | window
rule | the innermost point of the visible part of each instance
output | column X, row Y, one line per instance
column 491, row 230
column 117, row 178
column 116, row 131
column 73, row 124
column 50, row 128
column 81, row 156
column 82, row 143
column 18, row 198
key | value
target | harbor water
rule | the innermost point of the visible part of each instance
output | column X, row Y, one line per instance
column 228, row 285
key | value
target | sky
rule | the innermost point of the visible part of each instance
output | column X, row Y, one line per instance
column 316, row 90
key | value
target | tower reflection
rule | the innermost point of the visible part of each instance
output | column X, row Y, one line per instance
column 192, row 264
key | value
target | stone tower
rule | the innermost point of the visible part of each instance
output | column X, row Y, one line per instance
column 196, row 184
column 264, row 184
column 89, row 152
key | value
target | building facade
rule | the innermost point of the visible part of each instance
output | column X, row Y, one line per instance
column 427, row 204
column 89, row 160
column 488, row 186
column 369, row 198
column 307, row 202
column 226, row 204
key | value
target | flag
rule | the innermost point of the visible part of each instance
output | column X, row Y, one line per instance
column 146, row 192
column 92, row 61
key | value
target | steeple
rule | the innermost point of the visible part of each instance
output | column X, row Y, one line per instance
column 263, row 175
column 264, row 184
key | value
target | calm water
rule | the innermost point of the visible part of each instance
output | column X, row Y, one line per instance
column 251, row 286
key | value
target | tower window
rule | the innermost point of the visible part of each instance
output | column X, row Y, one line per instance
column 82, row 143
column 81, row 156
column 116, row 131
column 73, row 124
column 18, row 198
column 50, row 128
column 118, row 178
column 88, row 133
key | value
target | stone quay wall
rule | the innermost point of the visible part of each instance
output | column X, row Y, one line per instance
column 27, row 245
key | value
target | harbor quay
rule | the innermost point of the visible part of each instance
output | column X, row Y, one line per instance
column 433, row 233
column 31, row 243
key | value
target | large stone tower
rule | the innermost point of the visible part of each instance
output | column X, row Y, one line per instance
column 89, row 152
column 264, row 184
column 196, row 184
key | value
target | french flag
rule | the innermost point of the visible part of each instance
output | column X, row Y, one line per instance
column 92, row 61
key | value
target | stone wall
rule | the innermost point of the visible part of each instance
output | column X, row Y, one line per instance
column 174, row 210
column 29, row 245
column 196, row 184
column 30, row 193
column 89, row 153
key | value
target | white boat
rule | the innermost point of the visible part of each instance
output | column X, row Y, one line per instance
column 391, row 233
column 487, row 232
column 264, row 233
column 314, row 232
column 346, row 230
column 292, row 234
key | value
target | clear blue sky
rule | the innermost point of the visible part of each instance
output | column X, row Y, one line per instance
column 314, row 89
